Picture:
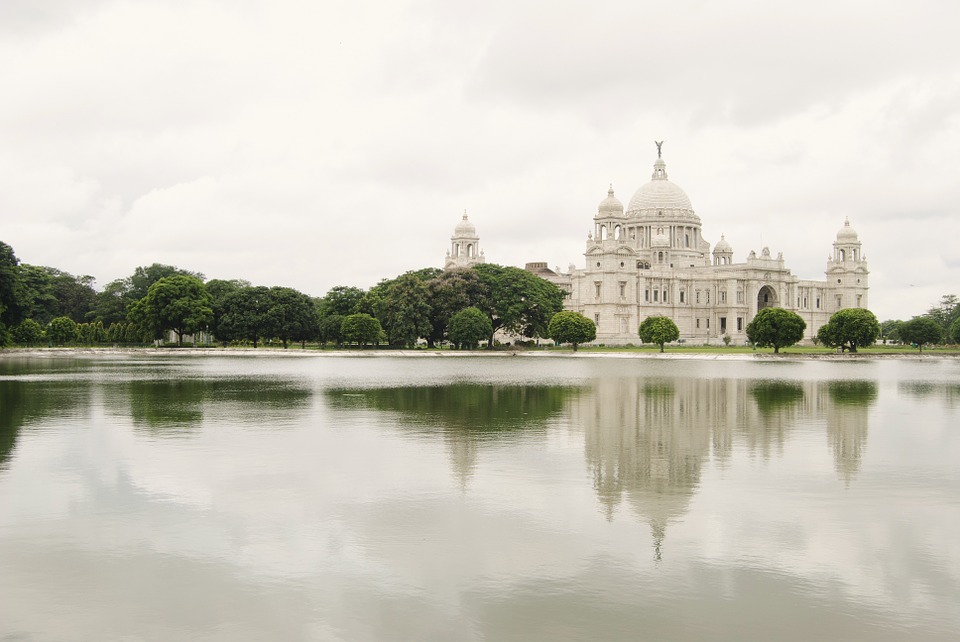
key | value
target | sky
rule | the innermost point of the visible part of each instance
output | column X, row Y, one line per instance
column 315, row 144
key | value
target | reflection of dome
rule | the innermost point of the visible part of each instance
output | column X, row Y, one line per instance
column 722, row 246
column 847, row 234
column 610, row 206
column 659, row 193
column 465, row 227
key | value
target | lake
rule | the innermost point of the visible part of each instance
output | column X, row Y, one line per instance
column 245, row 497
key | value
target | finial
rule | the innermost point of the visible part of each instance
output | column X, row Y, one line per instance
column 659, row 144
column 610, row 191
column 464, row 214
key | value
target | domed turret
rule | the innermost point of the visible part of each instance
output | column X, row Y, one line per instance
column 610, row 206
column 464, row 246
column 722, row 252
column 847, row 234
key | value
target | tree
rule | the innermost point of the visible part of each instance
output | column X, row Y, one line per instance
column 291, row 316
column 776, row 327
column 178, row 303
column 945, row 312
column 14, row 303
column 404, row 312
column 361, row 328
column 450, row 292
column 572, row 327
column 63, row 330
column 330, row 326
column 219, row 290
column 243, row 315
column 28, row 333
column 659, row 330
column 955, row 331
column 520, row 301
column 468, row 327
column 341, row 300
column 920, row 330
column 849, row 329
column 890, row 330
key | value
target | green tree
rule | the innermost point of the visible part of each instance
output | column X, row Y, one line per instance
column 954, row 332
column 341, row 300
column 890, row 330
column 291, row 316
column 849, row 329
column 520, row 301
column 776, row 327
column 448, row 293
column 572, row 327
column 14, row 301
column 361, row 328
column 330, row 327
column 63, row 330
column 244, row 315
column 28, row 333
column 468, row 327
column 946, row 311
column 920, row 330
column 659, row 330
column 404, row 312
column 178, row 303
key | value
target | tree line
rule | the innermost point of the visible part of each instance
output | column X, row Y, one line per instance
column 46, row 306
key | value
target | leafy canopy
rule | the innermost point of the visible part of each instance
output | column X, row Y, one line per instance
column 920, row 330
column 776, row 328
column 567, row 326
column 469, row 327
column 849, row 329
column 659, row 330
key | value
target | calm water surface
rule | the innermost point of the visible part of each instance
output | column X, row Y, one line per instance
column 483, row 498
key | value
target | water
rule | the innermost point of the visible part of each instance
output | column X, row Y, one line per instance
column 480, row 498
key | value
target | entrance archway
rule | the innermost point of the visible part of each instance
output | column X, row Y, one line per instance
column 766, row 298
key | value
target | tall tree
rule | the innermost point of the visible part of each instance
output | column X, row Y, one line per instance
column 291, row 316
column 362, row 329
column 776, row 328
column 849, row 329
column 341, row 300
column 178, row 303
column 946, row 311
column 520, row 302
column 244, row 315
column 14, row 303
column 405, row 312
column 448, row 293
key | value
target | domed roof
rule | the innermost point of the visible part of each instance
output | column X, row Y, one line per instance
column 659, row 193
column 722, row 246
column 847, row 234
column 610, row 206
column 465, row 227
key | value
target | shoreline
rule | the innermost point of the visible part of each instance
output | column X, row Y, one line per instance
column 456, row 354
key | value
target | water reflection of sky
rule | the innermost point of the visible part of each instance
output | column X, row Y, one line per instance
column 648, row 497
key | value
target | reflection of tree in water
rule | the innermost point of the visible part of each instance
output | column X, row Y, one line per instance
column 175, row 407
column 23, row 403
column 779, row 404
column 948, row 393
column 847, row 423
column 467, row 414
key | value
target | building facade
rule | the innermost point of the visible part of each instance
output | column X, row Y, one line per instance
column 650, row 259
column 464, row 249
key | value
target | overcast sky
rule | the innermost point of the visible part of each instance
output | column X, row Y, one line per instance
column 314, row 144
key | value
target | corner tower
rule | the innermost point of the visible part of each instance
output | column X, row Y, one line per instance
column 847, row 271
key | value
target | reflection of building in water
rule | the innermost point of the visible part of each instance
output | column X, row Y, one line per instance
column 646, row 440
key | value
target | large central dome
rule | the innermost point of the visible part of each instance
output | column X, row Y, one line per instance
column 659, row 194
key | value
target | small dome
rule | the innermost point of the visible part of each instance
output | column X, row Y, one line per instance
column 610, row 206
column 722, row 246
column 659, row 193
column 465, row 227
column 847, row 234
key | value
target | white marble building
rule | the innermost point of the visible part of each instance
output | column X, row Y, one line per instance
column 651, row 259
column 464, row 246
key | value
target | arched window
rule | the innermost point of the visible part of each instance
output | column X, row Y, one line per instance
column 616, row 233
column 843, row 255
column 470, row 250
column 603, row 232
column 660, row 257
